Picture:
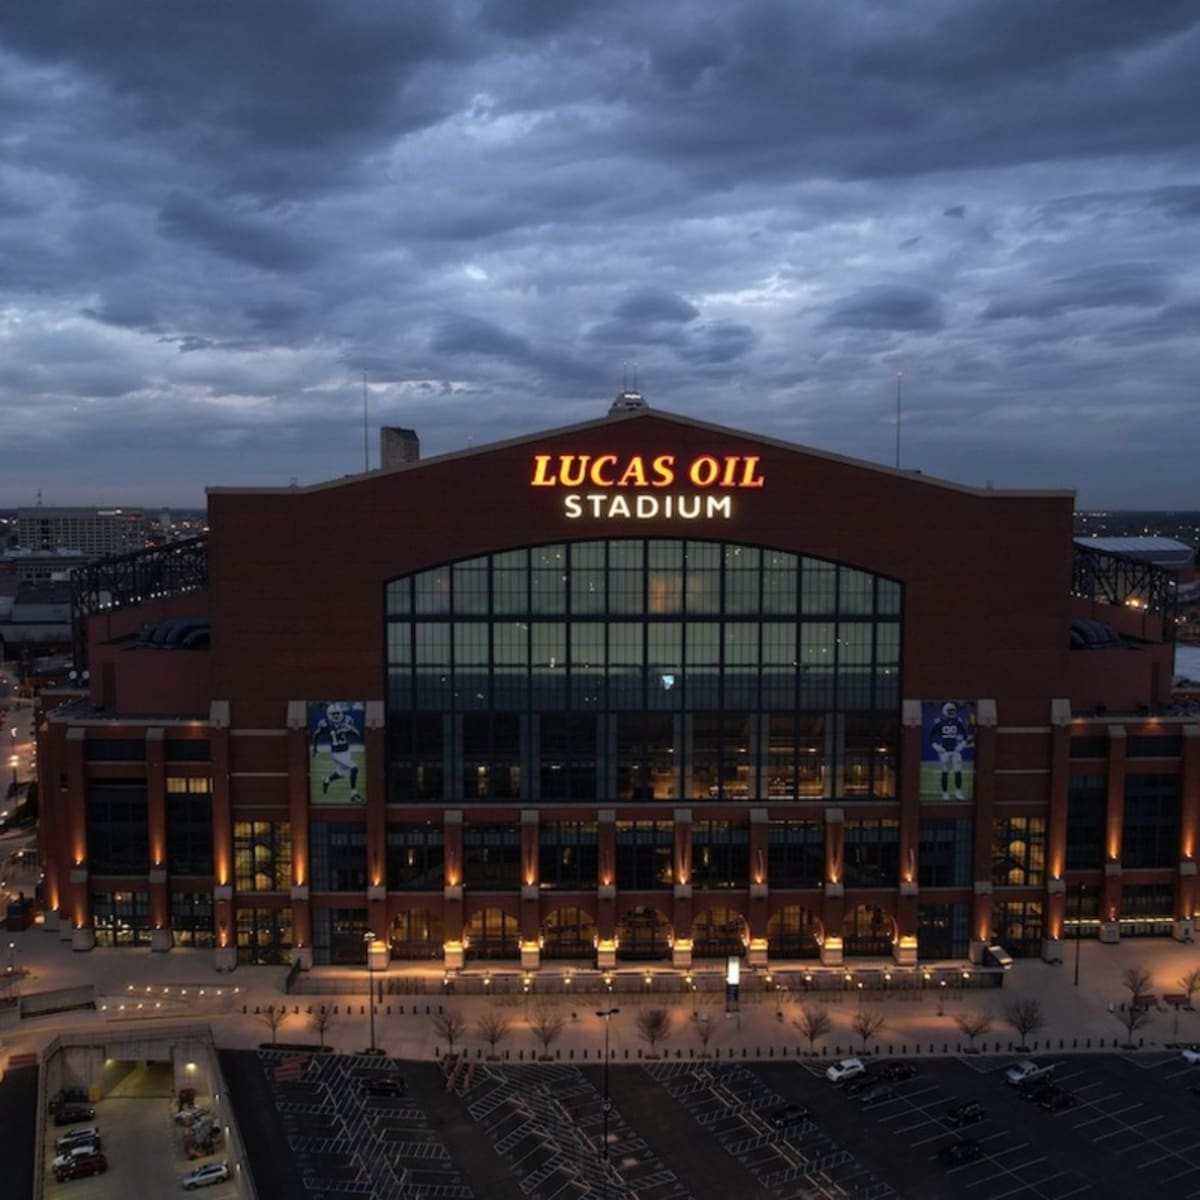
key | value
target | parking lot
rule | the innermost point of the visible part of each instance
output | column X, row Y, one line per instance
column 145, row 1153
column 700, row 1128
column 1130, row 1128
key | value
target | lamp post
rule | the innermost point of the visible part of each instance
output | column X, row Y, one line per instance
column 607, row 1014
column 1078, row 927
column 368, row 938
column 942, row 999
column 13, row 731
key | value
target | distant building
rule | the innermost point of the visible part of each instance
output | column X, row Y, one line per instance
column 627, row 401
column 398, row 447
column 1168, row 553
column 96, row 532
column 38, row 613
column 41, row 565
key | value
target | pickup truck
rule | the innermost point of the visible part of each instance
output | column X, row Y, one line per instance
column 1025, row 1071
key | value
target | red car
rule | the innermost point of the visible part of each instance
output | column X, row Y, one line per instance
column 82, row 1165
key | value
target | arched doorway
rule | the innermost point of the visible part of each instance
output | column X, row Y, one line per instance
column 492, row 933
column 644, row 933
column 568, row 933
column 794, row 932
column 868, row 931
column 719, row 933
column 416, row 933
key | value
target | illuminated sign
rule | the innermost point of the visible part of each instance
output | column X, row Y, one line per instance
column 613, row 486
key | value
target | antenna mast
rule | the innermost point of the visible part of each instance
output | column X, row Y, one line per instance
column 366, row 451
column 899, row 398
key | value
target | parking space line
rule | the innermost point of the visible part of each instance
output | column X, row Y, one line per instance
column 1026, row 1186
column 1107, row 1116
column 1148, row 1121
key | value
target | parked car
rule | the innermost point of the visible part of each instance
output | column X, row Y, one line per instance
column 1025, row 1071
column 845, row 1068
column 956, row 1154
column 81, row 1166
column 789, row 1114
column 877, row 1093
column 206, row 1176
column 859, row 1084
column 70, row 1095
column 383, row 1087
column 1190, row 1054
column 1056, row 1099
column 1036, row 1092
column 966, row 1113
column 72, row 1114
column 68, row 1156
column 86, row 1133
column 897, row 1072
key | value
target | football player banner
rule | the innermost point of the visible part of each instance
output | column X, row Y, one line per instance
column 947, row 750
column 337, row 771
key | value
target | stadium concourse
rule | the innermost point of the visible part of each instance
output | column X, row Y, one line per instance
column 132, row 987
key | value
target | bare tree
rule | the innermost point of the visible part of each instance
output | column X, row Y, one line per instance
column 1190, row 982
column 547, row 1023
column 867, row 1024
column 321, row 1021
column 450, row 1025
column 1137, row 981
column 1133, row 1017
column 973, row 1024
column 704, row 1029
column 272, row 1017
column 493, row 1027
column 813, row 1023
column 654, row 1026
column 1026, row 1017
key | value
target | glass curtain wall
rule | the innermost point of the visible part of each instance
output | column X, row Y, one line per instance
column 642, row 670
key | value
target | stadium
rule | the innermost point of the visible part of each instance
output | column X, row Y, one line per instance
column 642, row 690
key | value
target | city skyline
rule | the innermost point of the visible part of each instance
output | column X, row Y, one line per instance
column 214, row 223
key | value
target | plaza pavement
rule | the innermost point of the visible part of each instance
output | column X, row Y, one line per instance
column 136, row 986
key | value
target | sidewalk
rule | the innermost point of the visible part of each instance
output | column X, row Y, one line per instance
column 405, row 1030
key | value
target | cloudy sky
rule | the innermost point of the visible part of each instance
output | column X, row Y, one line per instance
column 215, row 217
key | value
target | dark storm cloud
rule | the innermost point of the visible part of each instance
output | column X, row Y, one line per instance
column 1114, row 285
column 887, row 307
column 214, row 219
column 721, row 342
column 652, row 305
column 251, row 239
column 473, row 335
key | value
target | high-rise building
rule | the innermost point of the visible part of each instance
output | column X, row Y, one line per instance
column 96, row 532
column 398, row 447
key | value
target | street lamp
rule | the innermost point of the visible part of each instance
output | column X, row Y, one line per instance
column 1078, row 927
column 13, row 731
column 368, row 938
column 942, row 999
column 607, row 1014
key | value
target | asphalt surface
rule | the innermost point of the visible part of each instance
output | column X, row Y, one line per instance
column 18, row 1131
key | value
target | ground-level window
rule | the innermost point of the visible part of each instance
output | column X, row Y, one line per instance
column 192, row 919
column 264, row 936
column 1017, row 925
column 121, row 918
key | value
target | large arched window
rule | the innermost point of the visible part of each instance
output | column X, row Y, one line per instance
column 642, row 669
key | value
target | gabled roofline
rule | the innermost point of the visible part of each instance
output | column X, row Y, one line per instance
column 657, row 414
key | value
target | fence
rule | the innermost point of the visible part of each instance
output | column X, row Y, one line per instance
column 831, row 984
